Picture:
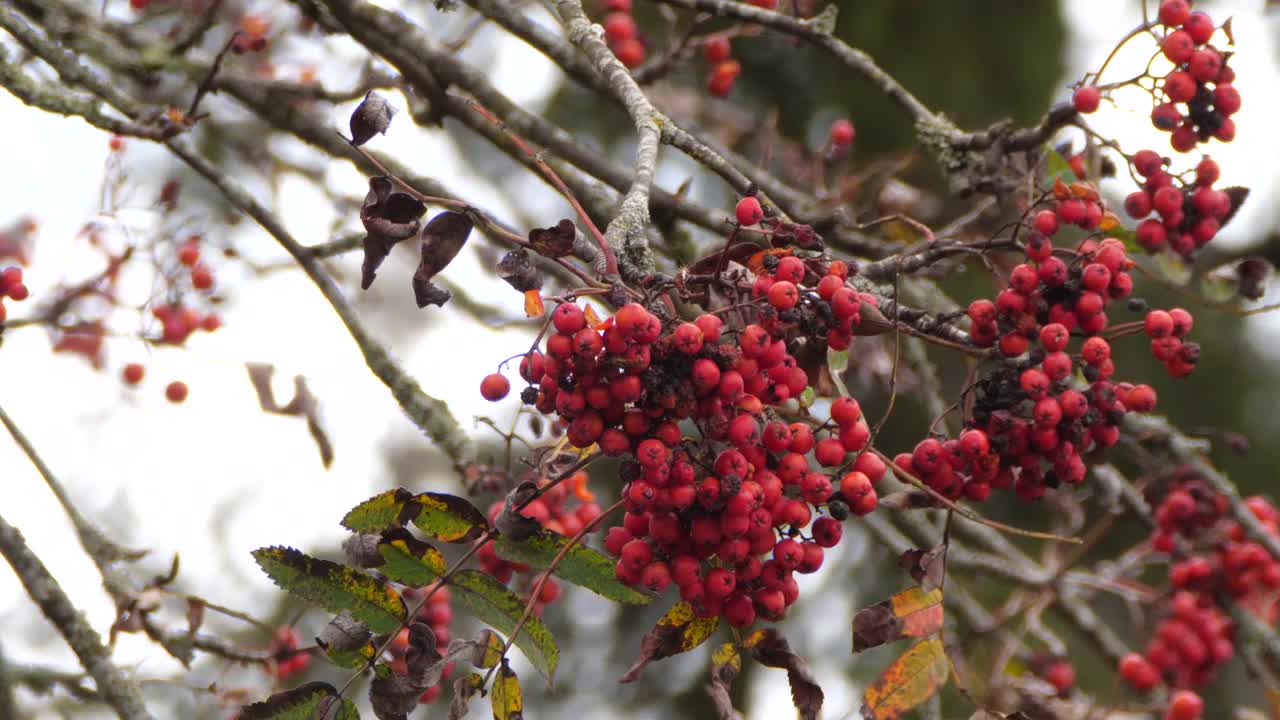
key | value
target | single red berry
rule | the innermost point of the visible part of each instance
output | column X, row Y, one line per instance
column 176, row 391
column 1174, row 12
column 1185, row 705
column 1178, row 46
column 1086, row 99
column 619, row 26
column 1226, row 99
column 1061, row 676
column 201, row 278
column 631, row 52
column 133, row 373
column 783, row 295
column 842, row 133
column 749, row 211
column 189, row 254
column 720, row 82
column 494, row 387
column 1199, row 26
column 716, row 49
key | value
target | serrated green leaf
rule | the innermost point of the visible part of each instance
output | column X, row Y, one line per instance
column 1056, row 166
column 305, row 702
column 581, row 565
column 380, row 512
column 448, row 518
column 508, row 702
column 493, row 604
column 410, row 561
column 333, row 587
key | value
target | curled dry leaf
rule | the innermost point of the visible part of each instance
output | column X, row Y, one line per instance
column 518, row 271
column 510, row 522
column 799, row 235
column 770, row 648
column 388, row 217
column 195, row 615
column 371, row 117
column 911, row 613
column 442, row 238
column 725, row 665
column 680, row 630
column 361, row 550
column 555, row 241
column 303, row 404
column 343, row 634
column 927, row 567
column 394, row 696
column 464, row 688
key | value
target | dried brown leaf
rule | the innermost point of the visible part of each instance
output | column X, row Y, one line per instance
column 371, row 117
column 302, row 404
column 770, row 648
column 442, row 238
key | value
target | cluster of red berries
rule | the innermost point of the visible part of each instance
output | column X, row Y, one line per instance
column 623, row 34
column 707, row 514
column 1032, row 419
column 284, row 648
column 189, row 256
column 1199, row 95
column 724, row 69
column 1167, row 328
column 437, row 614
column 11, row 286
column 178, row 322
column 1214, row 560
column 1190, row 213
column 132, row 374
column 553, row 512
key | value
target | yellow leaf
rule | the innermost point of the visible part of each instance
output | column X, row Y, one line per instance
column 508, row 704
column 908, row 681
column 680, row 630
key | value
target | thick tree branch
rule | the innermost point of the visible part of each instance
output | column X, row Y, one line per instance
column 115, row 687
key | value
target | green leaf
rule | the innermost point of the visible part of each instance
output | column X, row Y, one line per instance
column 1056, row 166
column 493, row 604
column 305, row 702
column 1173, row 268
column 408, row 560
column 333, row 587
column 837, row 365
column 448, row 518
column 358, row 658
column 581, row 565
column 379, row 512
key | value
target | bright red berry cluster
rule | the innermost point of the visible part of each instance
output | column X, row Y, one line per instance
column 437, row 614
column 724, row 69
column 1190, row 213
column 1214, row 560
column 1167, row 330
column 623, row 35
column 11, row 286
column 284, row 648
column 723, row 516
column 1199, row 95
column 1037, row 413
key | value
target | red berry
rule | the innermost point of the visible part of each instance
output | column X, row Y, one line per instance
column 201, row 278
column 619, row 26
column 1199, row 26
column 720, row 82
column 189, row 254
column 1086, row 99
column 1185, row 705
column 1139, row 672
column 1174, row 12
column 749, row 211
column 783, row 295
column 631, row 52
column 568, row 318
column 716, row 49
column 842, row 133
column 133, row 373
column 1226, row 99
column 1178, row 46
column 494, row 387
column 176, row 391
column 1061, row 676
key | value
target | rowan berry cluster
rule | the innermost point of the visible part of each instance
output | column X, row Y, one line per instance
column 1199, row 95
column 622, row 33
column 553, row 511
column 1035, row 414
column 723, row 516
column 284, row 648
column 11, row 286
column 1214, row 561
column 437, row 614
column 1190, row 213
column 724, row 69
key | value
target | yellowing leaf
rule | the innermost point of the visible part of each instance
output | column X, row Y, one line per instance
column 725, row 665
column 334, row 587
column 910, row 613
column 493, row 604
column 408, row 560
column 448, row 518
column 680, row 630
column 508, row 703
column 382, row 511
column 908, row 681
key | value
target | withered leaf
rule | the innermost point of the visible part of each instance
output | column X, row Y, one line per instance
column 303, row 404
column 725, row 665
column 464, row 688
column 343, row 634
column 371, row 117
column 515, row 268
column 442, row 238
column 797, row 234
column 510, row 522
column 555, row 241
column 927, row 567
column 195, row 615
column 871, row 321
column 388, row 217
column 739, row 252
column 770, row 648
column 679, row 630
column 1238, row 195
column 911, row 613
column 394, row 696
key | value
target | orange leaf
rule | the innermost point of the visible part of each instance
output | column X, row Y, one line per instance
column 913, row 678
column 756, row 262
column 910, row 613
column 593, row 320
column 533, row 306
